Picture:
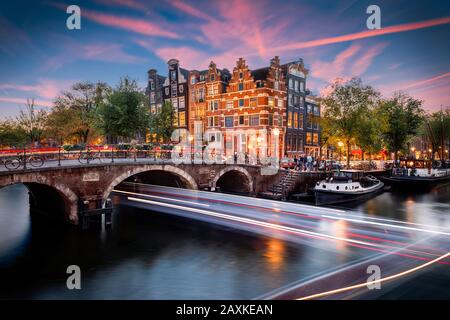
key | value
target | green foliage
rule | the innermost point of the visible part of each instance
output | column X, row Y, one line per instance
column 346, row 109
column 161, row 123
column 402, row 116
column 75, row 111
column 11, row 134
column 124, row 113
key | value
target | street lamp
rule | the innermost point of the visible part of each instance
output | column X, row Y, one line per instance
column 413, row 149
column 191, row 139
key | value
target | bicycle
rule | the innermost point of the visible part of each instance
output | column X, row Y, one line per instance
column 89, row 156
column 20, row 159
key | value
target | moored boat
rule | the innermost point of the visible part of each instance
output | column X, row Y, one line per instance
column 346, row 186
column 415, row 178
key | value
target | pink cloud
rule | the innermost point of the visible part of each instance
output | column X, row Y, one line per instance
column 367, row 34
column 364, row 62
column 190, row 10
column 131, row 24
column 38, row 102
column 133, row 4
column 45, row 88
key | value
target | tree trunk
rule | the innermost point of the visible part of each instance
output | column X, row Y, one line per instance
column 348, row 154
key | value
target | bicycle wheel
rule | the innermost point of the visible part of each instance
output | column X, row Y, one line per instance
column 13, row 163
column 83, row 158
column 36, row 161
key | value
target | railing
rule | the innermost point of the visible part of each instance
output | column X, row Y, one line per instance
column 17, row 159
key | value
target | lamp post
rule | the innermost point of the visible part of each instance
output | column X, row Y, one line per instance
column 191, row 140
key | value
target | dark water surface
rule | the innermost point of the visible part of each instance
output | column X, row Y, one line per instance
column 148, row 255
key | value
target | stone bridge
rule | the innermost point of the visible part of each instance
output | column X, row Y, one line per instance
column 74, row 192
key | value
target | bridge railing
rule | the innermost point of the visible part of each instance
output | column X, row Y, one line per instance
column 16, row 159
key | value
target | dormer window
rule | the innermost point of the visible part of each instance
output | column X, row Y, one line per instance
column 212, row 77
column 241, row 75
column 193, row 80
column 173, row 74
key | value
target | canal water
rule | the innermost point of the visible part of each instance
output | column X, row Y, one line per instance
column 148, row 255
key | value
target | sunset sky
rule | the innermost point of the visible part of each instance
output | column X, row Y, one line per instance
column 39, row 56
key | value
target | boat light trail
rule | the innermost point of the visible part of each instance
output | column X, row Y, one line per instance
column 163, row 198
column 255, row 222
column 387, row 225
column 362, row 285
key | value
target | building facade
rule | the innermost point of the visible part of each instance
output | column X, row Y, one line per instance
column 197, row 102
column 155, row 90
column 175, row 91
column 312, row 127
column 248, row 117
column 295, row 74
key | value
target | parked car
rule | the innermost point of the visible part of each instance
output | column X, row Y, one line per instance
column 287, row 163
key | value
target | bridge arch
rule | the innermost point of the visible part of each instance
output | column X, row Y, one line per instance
column 40, row 186
column 236, row 170
column 186, row 177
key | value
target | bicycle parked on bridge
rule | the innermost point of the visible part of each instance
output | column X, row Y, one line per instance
column 21, row 160
column 89, row 156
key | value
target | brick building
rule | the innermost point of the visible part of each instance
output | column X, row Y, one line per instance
column 253, row 101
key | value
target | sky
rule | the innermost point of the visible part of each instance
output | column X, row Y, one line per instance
column 40, row 56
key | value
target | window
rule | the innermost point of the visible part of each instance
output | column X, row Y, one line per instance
column 296, row 100
column 216, row 105
column 289, row 122
column 280, row 103
column 173, row 74
column 316, row 138
column 210, row 90
column 302, row 86
column 225, row 78
column 193, row 80
column 270, row 119
column 296, row 120
column 202, row 77
column 316, row 110
column 308, row 138
column 270, row 101
column 241, row 120
column 181, row 103
column 254, row 120
column 229, row 122
column 309, row 122
column 241, row 103
column 309, row 108
column 174, row 90
column 276, row 85
column 213, row 121
column 253, row 102
column 230, row 104
column 175, row 105
column 182, row 117
column 296, row 85
column 240, row 86
column 290, row 100
column 241, row 75
column 291, row 84
column 300, row 122
column 259, row 84
column 216, row 89
column 167, row 91
column 181, row 88
column 152, row 84
column 175, row 118
column 212, row 77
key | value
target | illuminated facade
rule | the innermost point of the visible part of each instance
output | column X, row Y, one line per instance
column 253, row 103
column 312, row 127
column 154, row 90
column 175, row 91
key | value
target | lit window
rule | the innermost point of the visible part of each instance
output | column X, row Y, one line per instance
column 253, row 102
column 270, row 101
column 182, row 116
column 295, row 120
column 289, row 122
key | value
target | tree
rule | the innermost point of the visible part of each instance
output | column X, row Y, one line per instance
column 32, row 121
column 82, row 101
column 11, row 134
column 124, row 112
column 403, row 116
column 161, row 123
column 62, row 124
column 436, row 128
column 344, row 109
column 369, row 132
